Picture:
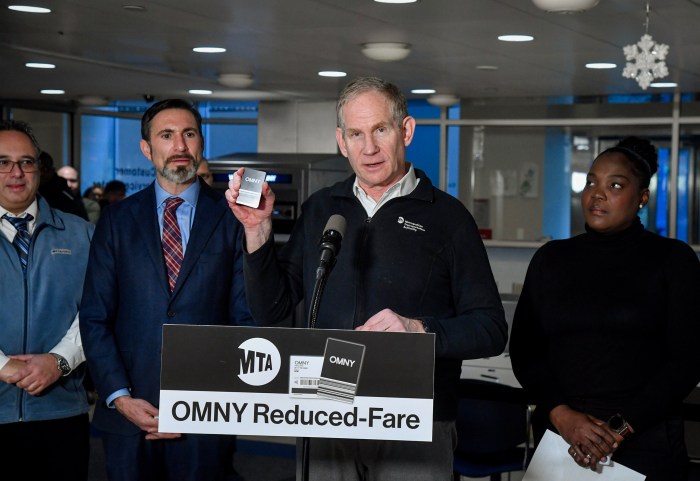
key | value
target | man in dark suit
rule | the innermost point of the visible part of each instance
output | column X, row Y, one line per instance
column 167, row 254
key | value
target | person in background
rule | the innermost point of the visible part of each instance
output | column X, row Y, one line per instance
column 55, row 189
column 153, row 255
column 605, row 333
column 92, row 208
column 204, row 172
column 113, row 192
column 44, row 426
column 434, row 278
column 95, row 192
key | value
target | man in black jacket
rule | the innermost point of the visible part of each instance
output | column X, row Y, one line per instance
column 412, row 260
column 56, row 191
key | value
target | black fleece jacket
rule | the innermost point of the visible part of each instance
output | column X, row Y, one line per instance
column 420, row 255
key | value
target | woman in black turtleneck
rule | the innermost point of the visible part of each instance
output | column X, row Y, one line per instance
column 605, row 336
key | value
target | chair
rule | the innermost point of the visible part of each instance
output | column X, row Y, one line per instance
column 493, row 429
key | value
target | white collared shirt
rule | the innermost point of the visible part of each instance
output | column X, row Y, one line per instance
column 9, row 230
column 403, row 187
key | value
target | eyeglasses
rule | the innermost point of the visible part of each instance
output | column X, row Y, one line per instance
column 25, row 165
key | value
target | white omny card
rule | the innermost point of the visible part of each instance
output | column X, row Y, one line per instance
column 304, row 374
column 552, row 462
column 251, row 187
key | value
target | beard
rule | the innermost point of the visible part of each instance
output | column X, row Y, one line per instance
column 180, row 175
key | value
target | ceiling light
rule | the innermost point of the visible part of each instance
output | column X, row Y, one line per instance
column 396, row 1
column 423, row 91
column 39, row 65
column 236, row 80
column 516, row 38
column 600, row 65
column 386, row 51
column 200, row 92
column 53, row 91
column 332, row 73
column 486, row 67
column 209, row 49
column 93, row 100
column 565, row 6
column 443, row 100
column 661, row 85
column 29, row 9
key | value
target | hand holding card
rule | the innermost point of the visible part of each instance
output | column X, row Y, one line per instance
column 251, row 188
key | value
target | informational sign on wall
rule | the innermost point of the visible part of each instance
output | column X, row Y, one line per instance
column 297, row 382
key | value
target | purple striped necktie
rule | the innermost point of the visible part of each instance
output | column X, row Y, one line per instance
column 172, row 240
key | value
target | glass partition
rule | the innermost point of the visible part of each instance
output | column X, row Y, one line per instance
column 524, row 183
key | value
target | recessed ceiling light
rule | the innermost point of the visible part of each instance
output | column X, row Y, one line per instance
column 29, row 9
column 423, row 91
column 200, row 92
column 661, row 85
column 236, row 80
column 565, row 6
column 443, row 100
column 396, row 1
column 39, row 65
column 486, row 67
column 134, row 8
column 516, row 38
column 386, row 51
column 600, row 65
column 332, row 73
column 53, row 92
column 209, row 49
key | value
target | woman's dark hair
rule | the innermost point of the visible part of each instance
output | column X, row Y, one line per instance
column 89, row 190
column 642, row 154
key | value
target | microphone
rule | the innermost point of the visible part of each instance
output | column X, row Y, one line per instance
column 330, row 241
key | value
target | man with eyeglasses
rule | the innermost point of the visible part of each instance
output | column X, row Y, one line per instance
column 43, row 256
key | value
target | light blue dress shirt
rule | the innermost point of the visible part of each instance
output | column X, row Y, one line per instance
column 185, row 219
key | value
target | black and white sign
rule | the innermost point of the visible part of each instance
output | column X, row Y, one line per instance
column 297, row 382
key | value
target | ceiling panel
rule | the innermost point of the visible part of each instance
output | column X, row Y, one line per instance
column 102, row 49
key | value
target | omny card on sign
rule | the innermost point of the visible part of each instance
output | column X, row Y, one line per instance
column 297, row 382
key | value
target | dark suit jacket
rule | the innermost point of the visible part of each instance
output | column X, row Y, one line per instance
column 126, row 299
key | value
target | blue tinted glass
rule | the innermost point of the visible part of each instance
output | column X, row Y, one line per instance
column 421, row 109
column 424, row 151
column 229, row 110
column 661, row 222
column 683, row 195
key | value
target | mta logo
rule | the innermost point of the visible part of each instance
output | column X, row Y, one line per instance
column 259, row 363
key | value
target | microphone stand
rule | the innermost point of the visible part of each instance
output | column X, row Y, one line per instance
column 321, row 277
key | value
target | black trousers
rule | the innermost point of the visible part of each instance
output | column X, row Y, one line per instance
column 58, row 449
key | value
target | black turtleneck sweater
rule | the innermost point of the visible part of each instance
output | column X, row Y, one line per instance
column 610, row 323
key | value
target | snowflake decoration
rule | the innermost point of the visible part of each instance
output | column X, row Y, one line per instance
column 648, row 58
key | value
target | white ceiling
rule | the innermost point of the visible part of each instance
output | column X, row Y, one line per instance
column 102, row 49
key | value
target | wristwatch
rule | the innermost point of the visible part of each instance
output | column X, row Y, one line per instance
column 62, row 364
column 618, row 424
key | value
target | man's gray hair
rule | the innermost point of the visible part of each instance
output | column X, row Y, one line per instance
column 361, row 85
column 22, row 127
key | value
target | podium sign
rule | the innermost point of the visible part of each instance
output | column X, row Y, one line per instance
column 297, row 382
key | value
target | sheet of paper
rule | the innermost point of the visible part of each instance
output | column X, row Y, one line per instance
column 552, row 462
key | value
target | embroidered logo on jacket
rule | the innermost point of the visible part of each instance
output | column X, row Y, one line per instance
column 62, row 252
column 412, row 226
